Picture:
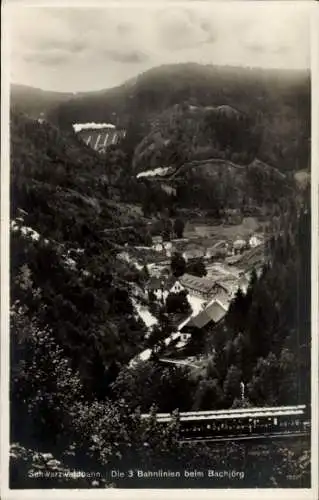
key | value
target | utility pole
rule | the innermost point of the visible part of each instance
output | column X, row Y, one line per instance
column 242, row 389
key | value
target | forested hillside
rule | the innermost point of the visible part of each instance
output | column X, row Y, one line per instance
column 277, row 100
column 185, row 132
column 63, row 270
column 210, row 156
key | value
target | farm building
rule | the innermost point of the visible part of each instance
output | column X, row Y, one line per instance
column 205, row 288
column 211, row 315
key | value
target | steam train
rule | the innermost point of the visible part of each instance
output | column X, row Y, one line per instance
column 241, row 422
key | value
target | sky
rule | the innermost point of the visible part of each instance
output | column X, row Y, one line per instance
column 82, row 49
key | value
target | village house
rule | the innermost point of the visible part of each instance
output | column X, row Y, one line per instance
column 205, row 288
column 161, row 246
column 229, row 288
column 239, row 246
column 193, row 253
column 177, row 287
column 255, row 240
column 162, row 286
column 224, row 292
column 217, row 251
column 213, row 313
column 157, row 243
column 167, row 246
column 155, row 286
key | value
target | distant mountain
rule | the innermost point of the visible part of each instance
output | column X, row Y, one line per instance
column 33, row 101
column 277, row 100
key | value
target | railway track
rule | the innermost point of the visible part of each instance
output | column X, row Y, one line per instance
column 241, row 424
column 247, row 437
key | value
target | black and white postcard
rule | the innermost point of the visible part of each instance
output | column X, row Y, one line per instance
column 158, row 286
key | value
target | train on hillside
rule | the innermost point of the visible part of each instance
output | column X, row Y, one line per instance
column 241, row 422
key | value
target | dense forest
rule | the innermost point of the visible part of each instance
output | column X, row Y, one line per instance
column 73, row 325
column 67, row 261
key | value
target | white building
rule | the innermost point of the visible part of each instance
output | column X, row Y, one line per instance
column 255, row 241
column 239, row 245
column 177, row 287
column 158, row 247
column 193, row 253
column 157, row 243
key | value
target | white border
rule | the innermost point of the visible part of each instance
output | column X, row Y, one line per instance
column 315, row 241
column 288, row 494
column 5, row 259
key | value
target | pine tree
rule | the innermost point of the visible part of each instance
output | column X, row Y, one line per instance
column 178, row 265
column 231, row 386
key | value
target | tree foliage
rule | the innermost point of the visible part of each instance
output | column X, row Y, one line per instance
column 178, row 265
column 177, row 302
column 196, row 267
column 179, row 226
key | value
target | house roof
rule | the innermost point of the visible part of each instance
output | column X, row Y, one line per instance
column 239, row 243
column 157, row 239
column 162, row 282
column 213, row 313
column 220, row 244
column 167, row 244
column 194, row 252
column 226, row 286
column 204, row 285
column 169, row 282
column 256, row 237
column 233, row 259
column 154, row 283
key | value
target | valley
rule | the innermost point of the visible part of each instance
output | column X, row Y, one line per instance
column 156, row 270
